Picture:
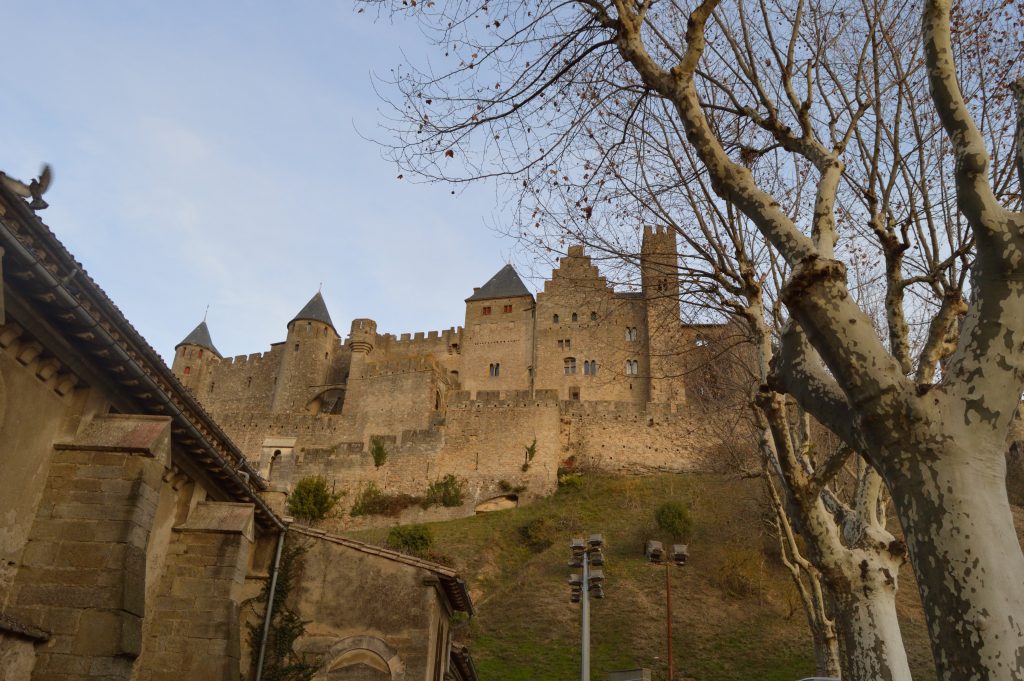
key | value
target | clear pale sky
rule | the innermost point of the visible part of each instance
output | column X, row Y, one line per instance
column 210, row 153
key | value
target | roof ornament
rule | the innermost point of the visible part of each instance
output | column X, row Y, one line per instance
column 34, row 189
column 206, row 312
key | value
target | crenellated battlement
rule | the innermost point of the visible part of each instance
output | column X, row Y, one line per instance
column 400, row 366
column 496, row 399
column 420, row 341
column 254, row 358
column 657, row 230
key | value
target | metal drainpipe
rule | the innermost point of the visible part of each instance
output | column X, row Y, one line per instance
column 270, row 607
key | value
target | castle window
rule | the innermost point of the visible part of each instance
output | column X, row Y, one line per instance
column 248, row 381
column 296, row 347
column 495, row 370
column 575, row 317
column 569, row 365
column 200, row 353
column 554, row 319
column 487, row 310
column 593, row 316
column 700, row 341
column 507, row 309
column 631, row 333
column 590, row 367
column 632, row 367
column 188, row 370
column 574, row 393
column 564, row 343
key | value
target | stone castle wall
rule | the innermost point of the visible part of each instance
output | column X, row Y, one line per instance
column 483, row 442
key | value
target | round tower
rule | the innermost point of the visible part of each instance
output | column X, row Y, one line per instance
column 308, row 356
column 362, row 336
column 194, row 358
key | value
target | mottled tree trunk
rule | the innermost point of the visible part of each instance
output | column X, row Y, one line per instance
column 870, row 643
column 958, row 519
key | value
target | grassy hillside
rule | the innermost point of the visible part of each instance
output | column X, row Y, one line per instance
column 735, row 613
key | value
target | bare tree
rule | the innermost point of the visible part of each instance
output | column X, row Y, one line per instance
column 545, row 92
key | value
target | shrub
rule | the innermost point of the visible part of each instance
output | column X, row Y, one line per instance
column 311, row 500
column 414, row 540
column 539, row 534
column 378, row 451
column 371, row 500
column 569, row 481
column 531, row 451
column 281, row 662
column 448, row 492
column 673, row 518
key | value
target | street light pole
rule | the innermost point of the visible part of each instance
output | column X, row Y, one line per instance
column 585, row 625
column 586, row 555
column 668, row 622
column 655, row 553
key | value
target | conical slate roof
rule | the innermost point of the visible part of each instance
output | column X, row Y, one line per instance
column 505, row 284
column 315, row 310
column 200, row 336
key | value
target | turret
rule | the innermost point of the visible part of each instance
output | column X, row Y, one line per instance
column 308, row 356
column 659, row 273
column 362, row 336
column 194, row 357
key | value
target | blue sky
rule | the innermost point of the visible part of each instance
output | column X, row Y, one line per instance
column 210, row 153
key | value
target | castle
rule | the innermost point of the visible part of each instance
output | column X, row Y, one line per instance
column 582, row 372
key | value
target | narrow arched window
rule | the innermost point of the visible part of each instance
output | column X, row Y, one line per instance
column 593, row 316
column 188, row 370
column 575, row 317
column 554, row 319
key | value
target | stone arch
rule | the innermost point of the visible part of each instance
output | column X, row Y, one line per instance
column 498, row 503
column 361, row 658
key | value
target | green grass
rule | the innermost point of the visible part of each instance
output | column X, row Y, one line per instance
column 735, row 613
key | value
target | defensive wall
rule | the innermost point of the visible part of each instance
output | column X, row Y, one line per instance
column 483, row 442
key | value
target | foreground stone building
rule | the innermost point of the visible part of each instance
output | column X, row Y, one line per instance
column 585, row 373
column 134, row 530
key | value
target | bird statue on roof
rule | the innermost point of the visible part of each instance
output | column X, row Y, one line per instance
column 34, row 189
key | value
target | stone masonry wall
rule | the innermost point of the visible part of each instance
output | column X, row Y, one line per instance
column 193, row 630
column 83, row 572
column 31, row 412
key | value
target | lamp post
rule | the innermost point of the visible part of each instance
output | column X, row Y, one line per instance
column 655, row 553
column 586, row 555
